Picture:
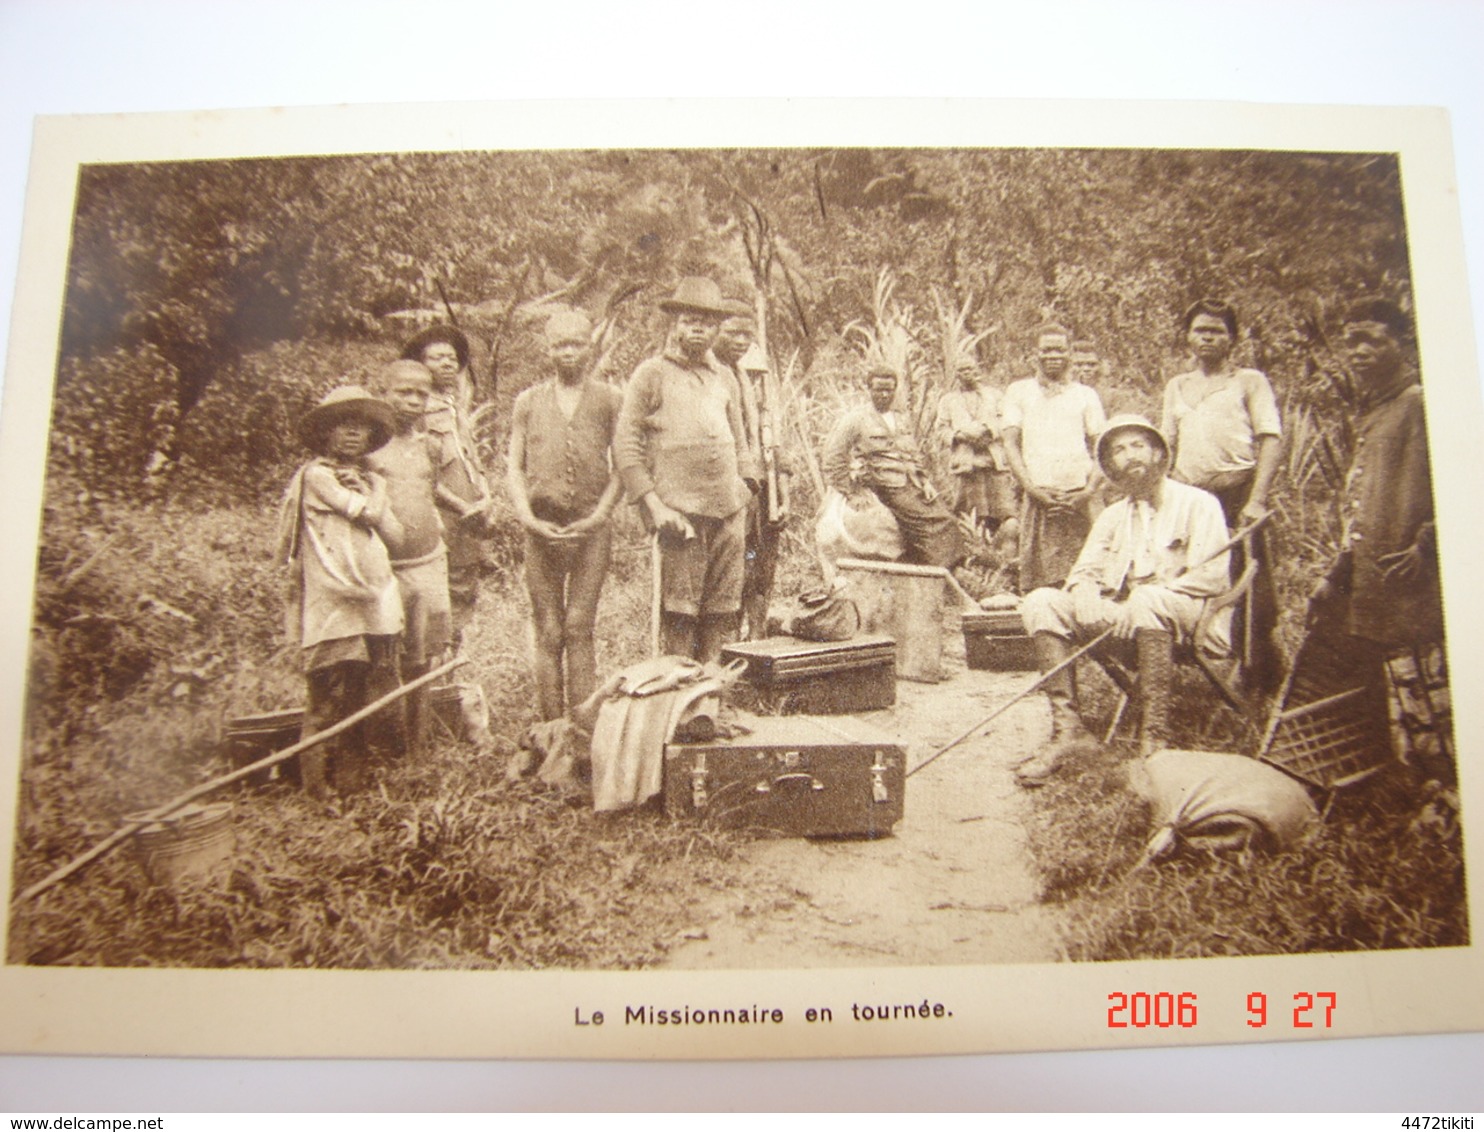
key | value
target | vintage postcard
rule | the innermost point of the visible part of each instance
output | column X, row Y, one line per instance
column 695, row 580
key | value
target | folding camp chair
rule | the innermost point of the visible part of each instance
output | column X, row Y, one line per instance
column 1223, row 673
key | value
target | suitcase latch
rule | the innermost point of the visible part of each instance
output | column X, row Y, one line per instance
column 698, row 783
column 879, row 792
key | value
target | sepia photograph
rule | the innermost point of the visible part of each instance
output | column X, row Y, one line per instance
column 743, row 560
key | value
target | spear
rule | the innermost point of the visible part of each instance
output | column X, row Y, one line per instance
column 454, row 322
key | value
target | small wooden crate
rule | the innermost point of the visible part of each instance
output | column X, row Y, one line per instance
column 909, row 603
column 996, row 640
column 248, row 738
column 786, row 675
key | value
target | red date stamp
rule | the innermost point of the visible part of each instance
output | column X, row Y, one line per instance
column 1304, row 1005
column 1141, row 1010
column 1165, row 1009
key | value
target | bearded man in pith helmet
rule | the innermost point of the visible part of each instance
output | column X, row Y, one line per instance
column 1151, row 563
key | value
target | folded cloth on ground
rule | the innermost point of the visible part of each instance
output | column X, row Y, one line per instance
column 653, row 699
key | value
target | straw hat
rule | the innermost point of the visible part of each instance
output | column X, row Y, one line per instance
column 348, row 401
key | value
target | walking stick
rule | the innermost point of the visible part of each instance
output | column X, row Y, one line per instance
column 1080, row 653
column 133, row 825
column 654, row 593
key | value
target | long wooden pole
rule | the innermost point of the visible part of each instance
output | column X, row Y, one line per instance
column 656, row 593
column 1079, row 654
column 1015, row 699
column 133, row 825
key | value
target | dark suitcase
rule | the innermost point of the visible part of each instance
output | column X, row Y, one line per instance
column 248, row 738
column 995, row 639
column 788, row 675
column 798, row 775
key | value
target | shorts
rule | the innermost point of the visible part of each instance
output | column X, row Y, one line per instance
column 702, row 576
column 425, row 607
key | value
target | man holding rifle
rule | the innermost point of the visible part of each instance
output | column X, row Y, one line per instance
column 738, row 351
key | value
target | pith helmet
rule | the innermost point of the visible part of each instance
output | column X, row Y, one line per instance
column 1122, row 422
column 695, row 293
column 348, row 401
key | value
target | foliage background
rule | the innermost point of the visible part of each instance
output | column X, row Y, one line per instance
column 210, row 303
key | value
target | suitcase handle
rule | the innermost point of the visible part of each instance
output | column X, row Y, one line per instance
column 793, row 779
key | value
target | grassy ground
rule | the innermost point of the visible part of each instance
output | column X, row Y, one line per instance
column 1383, row 870
column 440, row 864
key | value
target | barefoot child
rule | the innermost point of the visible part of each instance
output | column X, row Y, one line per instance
column 410, row 462
column 345, row 608
column 563, row 487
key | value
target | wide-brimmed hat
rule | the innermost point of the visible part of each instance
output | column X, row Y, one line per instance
column 695, row 293
column 348, row 401
column 1122, row 422
column 413, row 348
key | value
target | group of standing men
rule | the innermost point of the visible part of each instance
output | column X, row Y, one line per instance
column 1143, row 532
column 683, row 440
column 382, row 529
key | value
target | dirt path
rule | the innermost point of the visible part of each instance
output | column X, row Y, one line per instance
column 955, row 885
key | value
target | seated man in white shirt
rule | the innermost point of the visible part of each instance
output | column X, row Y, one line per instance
column 1152, row 561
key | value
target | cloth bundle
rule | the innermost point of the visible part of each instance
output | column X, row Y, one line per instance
column 1221, row 801
column 860, row 527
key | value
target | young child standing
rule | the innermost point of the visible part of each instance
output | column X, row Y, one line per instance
column 563, row 487
column 345, row 609
column 463, row 488
column 410, row 462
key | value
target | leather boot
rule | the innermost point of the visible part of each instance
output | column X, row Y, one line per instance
column 1155, row 667
column 1066, row 725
